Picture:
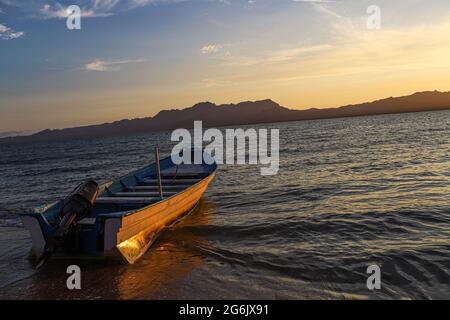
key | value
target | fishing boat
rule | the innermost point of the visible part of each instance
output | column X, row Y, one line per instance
column 121, row 218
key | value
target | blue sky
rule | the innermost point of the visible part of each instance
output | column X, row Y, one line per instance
column 133, row 58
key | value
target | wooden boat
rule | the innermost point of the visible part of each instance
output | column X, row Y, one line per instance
column 126, row 215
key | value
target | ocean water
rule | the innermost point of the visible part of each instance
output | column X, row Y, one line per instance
column 350, row 193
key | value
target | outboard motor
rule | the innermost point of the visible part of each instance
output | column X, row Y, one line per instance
column 76, row 207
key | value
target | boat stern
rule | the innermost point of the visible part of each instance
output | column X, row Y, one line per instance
column 39, row 242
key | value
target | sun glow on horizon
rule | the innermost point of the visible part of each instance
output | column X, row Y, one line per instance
column 301, row 55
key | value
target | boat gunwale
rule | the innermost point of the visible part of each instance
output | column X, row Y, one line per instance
column 120, row 214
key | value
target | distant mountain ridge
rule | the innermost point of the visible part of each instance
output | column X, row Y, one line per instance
column 249, row 112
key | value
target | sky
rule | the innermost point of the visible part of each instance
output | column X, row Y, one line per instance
column 133, row 58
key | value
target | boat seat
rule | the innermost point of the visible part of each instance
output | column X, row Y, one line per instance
column 124, row 201
column 171, row 181
column 179, row 175
column 142, row 194
column 185, row 170
column 151, row 188
column 87, row 221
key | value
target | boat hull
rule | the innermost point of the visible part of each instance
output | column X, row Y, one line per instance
column 136, row 232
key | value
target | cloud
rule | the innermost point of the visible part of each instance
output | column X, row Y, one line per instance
column 90, row 9
column 142, row 3
column 58, row 9
column 211, row 48
column 7, row 33
column 283, row 56
column 315, row 1
column 51, row 9
column 295, row 53
column 103, row 66
column 351, row 51
column 55, row 11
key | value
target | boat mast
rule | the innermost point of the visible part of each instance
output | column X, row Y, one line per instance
column 158, row 172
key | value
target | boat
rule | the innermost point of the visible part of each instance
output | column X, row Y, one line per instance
column 120, row 218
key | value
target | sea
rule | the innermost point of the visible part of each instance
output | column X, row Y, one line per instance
column 350, row 193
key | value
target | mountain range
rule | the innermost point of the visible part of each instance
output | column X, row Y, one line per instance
column 249, row 112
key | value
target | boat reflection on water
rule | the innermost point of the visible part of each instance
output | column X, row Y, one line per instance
column 163, row 268
column 169, row 261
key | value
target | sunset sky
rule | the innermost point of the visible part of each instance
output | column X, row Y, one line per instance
column 133, row 58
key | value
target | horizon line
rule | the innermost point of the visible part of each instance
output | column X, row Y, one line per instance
column 29, row 132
